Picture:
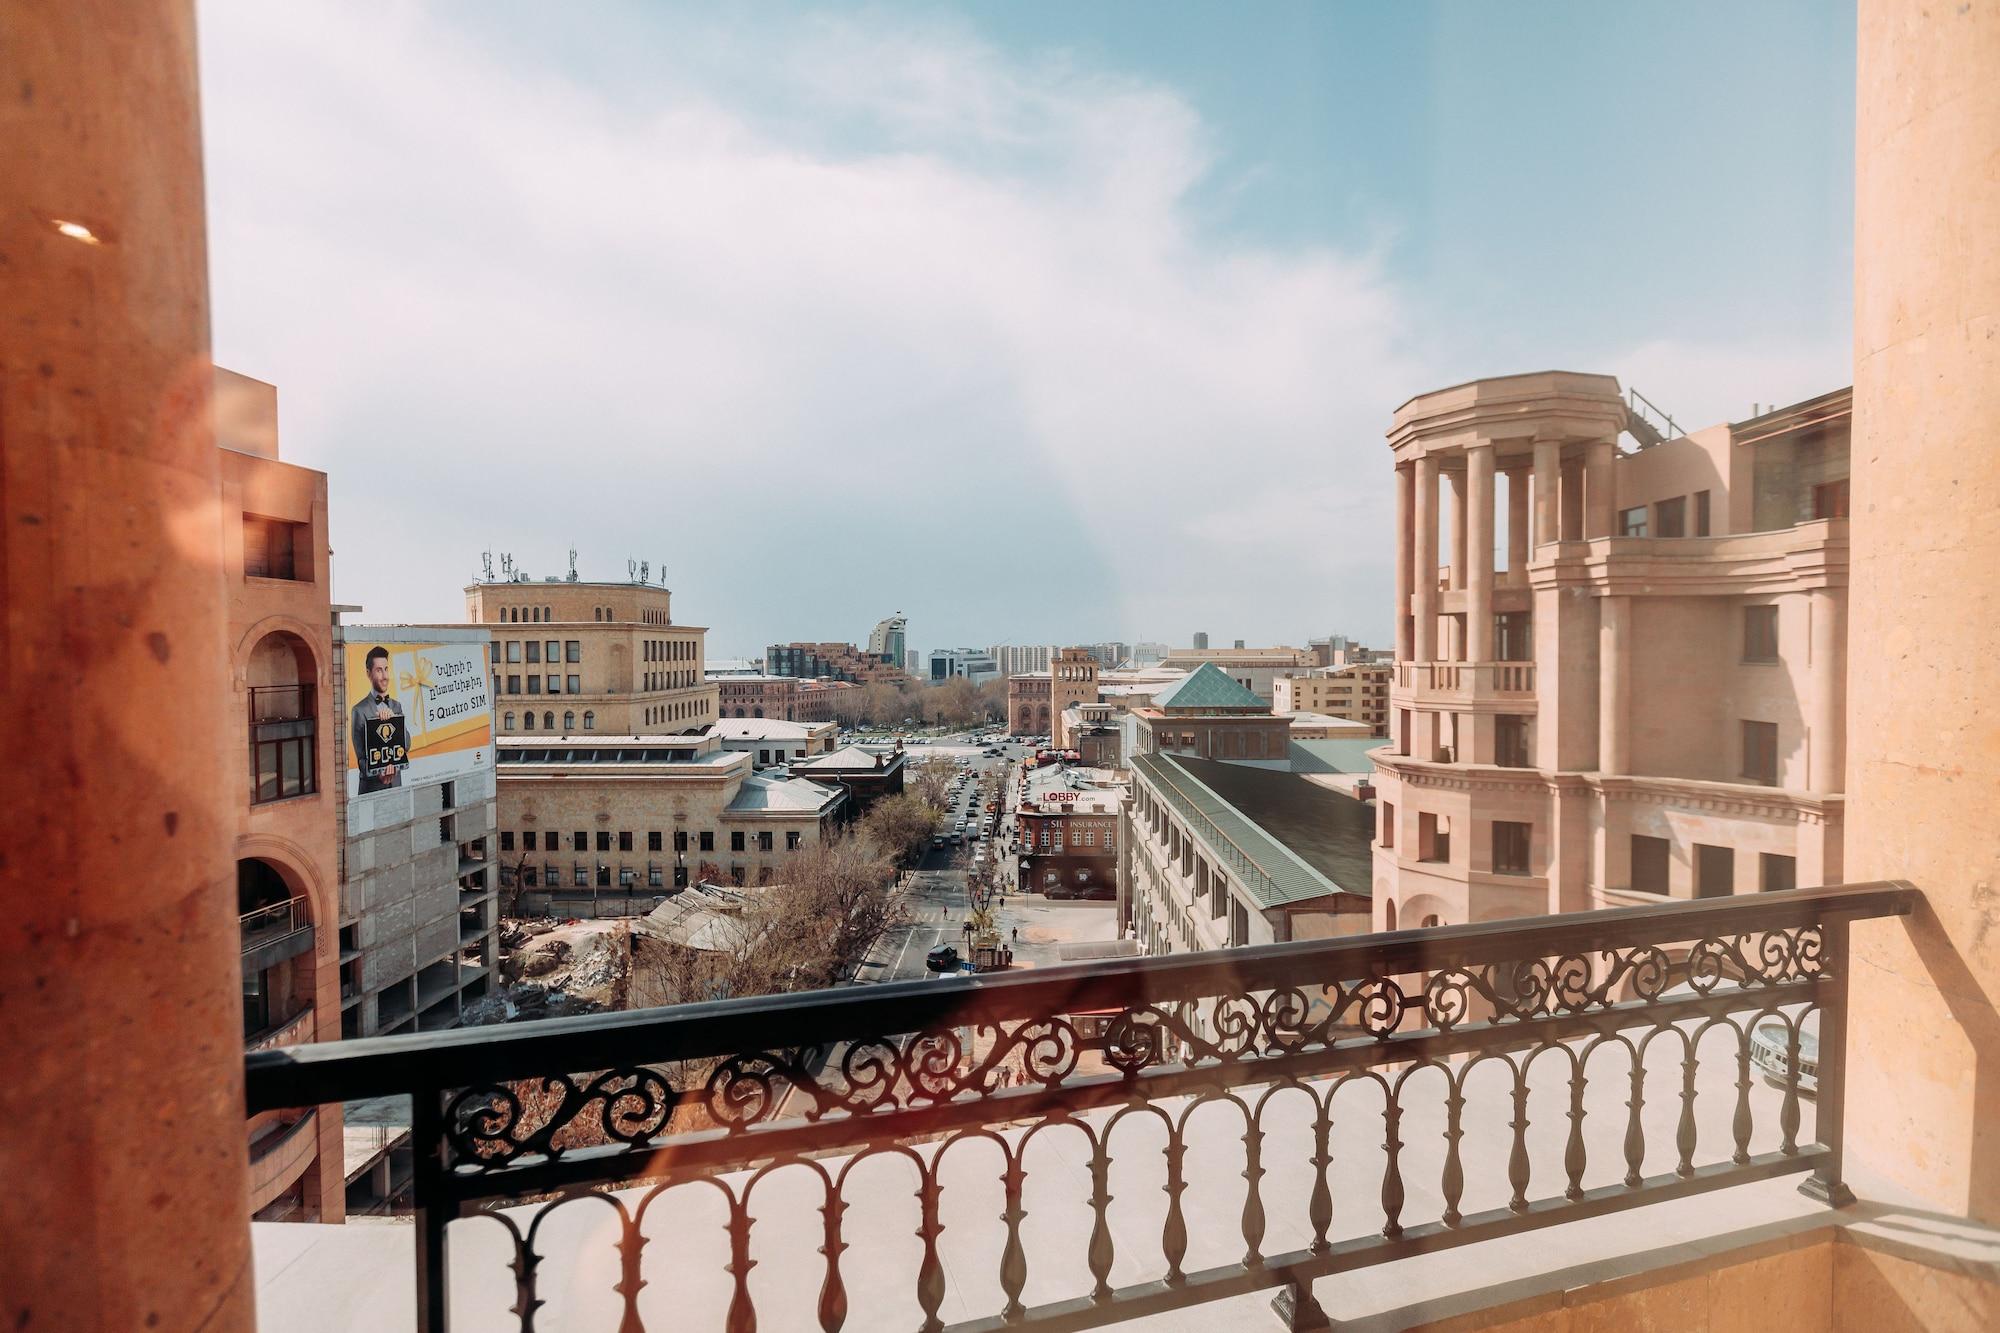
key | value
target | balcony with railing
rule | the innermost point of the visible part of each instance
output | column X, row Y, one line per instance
column 1466, row 684
column 1083, row 1145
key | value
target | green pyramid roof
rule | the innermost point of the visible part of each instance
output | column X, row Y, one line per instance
column 1209, row 687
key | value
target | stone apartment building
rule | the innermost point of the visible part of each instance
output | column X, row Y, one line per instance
column 1256, row 669
column 1358, row 692
column 284, row 804
column 832, row 661
column 757, row 695
column 1645, row 700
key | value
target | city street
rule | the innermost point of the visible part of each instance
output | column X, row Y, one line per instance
column 935, row 905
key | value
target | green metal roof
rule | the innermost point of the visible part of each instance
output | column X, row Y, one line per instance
column 1208, row 687
column 1273, row 873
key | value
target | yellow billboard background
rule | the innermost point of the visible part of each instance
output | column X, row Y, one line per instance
column 444, row 692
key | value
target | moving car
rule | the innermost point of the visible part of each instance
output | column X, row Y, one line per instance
column 944, row 958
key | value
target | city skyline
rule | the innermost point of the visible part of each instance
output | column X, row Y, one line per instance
column 1077, row 268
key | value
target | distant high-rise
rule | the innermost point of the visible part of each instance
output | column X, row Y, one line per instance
column 1201, row 639
column 886, row 640
column 1017, row 659
column 911, row 660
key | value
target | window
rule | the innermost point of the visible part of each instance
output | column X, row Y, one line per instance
column 1513, row 636
column 579, row 841
column 603, row 841
column 1388, row 824
column 625, row 840
column 513, row 650
column 707, row 840
column 534, row 682
column 493, row 650
column 1701, row 513
column 583, row 877
column 1510, row 847
column 1650, row 860
column 1760, row 753
column 625, row 876
column 1830, row 499
column 1775, row 872
column 1433, row 837
column 603, row 876
column 1510, row 740
column 528, row 841
column 680, row 840
column 572, row 650
column 275, row 549
column 552, row 651
column 736, row 872
column 513, row 684
column 1239, row 924
column 569, row 721
column 589, row 719
column 655, row 878
column 534, row 651
column 792, row 840
column 284, row 742
column 736, row 841
column 764, row 842
column 551, row 878
column 528, row 720
column 506, row 840
column 1760, row 633
column 1632, row 522
column 1714, row 871
column 573, row 685
column 555, row 683
column 1670, row 517
column 507, row 722
column 654, row 842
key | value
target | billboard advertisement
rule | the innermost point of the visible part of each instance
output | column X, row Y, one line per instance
column 419, row 712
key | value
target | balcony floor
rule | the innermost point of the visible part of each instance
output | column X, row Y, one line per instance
column 360, row 1276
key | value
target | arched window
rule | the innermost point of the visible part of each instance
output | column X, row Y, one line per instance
column 589, row 719
column 507, row 722
column 547, row 615
column 548, row 721
column 760, row 712
column 528, row 721
column 569, row 721
column 1389, row 915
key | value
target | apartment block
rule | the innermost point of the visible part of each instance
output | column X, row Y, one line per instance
column 1357, row 692
column 754, row 694
column 1625, row 680
column 1256, row 669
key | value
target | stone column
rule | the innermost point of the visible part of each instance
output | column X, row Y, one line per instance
column 127, row 1180
column 1826, row 740
column 1572, row 501
column 1479, row 553
column 1406, row 545
column 1600, row 499
column 1458, row 560
column 1548, row 492
column 1923, row 757
column 1517, row 520
column 1424, row 633
column 1614, row 639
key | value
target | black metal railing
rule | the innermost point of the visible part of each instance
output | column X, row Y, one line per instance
column 1412, row 1066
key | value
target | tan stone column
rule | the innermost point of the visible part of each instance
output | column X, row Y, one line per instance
column 1424, row 632
column 1923, row 751
column 1406, row 545
column 1825, row 712
column 1517, row 520
column 1600, row 501
column 1572, row 501
column 1614, row 712
column 1479, row 553
column 1548, row 492
column 1458, row 561
column 127, row 1180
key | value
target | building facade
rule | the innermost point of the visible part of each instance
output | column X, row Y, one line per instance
column 756, row 696
column 1646, row 700
column 1210, row 715
column 607, row 825
column 971, row 664
column 1028, row 701
column 774, row 742
column 285, row 808
column 1067, row 839
column 1256, row 669
column 1358, row 692
column 817, row 699
column 831, row 661
column 1018, row 659
column 866, row 775
column 608, row 658
column 419, row 901
column 888, row 642
column 1072, row 680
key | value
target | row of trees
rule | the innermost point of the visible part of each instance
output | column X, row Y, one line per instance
column 948, row 703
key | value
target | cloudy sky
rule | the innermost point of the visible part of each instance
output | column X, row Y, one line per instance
column 1032, row 321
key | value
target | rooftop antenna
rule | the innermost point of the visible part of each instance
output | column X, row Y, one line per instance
column 507, row 565
column 645, row 572
column 631, row 569
column 486, row 566
column 572, row 565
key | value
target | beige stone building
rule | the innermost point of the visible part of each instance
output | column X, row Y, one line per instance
column 1358, row 691
column 593, row 657
column 606, row 823
column 1072, row 680
column 1642, row 696
column 1255, row 669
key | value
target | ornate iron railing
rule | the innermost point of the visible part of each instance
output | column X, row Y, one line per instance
column 1370, row 1041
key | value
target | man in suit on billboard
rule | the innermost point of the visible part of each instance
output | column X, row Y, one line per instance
column 370, row 743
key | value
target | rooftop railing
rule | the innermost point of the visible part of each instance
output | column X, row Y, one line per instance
column 1385, row 1096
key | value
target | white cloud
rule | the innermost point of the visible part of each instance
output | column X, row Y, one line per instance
column 900, row 275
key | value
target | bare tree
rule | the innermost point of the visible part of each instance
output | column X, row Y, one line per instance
column 931, row 777
column 898, row 828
